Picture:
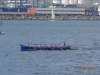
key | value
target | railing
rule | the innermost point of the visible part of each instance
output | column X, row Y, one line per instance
column 13, row 12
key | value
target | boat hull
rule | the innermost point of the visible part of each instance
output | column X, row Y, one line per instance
column 52, row 20
column 27, row 48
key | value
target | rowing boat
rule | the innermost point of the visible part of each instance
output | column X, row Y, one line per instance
column 28, row 48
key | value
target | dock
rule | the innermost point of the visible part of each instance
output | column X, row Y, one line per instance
column 25, row 16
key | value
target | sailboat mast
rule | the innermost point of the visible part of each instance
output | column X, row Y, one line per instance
column 53, row 16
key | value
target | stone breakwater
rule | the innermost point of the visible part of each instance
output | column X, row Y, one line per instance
column 47, row 17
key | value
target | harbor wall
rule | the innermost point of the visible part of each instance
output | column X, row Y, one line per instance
column 46, row 17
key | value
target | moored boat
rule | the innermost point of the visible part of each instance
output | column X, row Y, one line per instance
column 30, row 48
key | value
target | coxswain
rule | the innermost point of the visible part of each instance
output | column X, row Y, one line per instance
column 64, row 44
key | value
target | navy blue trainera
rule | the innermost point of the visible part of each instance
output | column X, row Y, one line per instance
column 28, row 48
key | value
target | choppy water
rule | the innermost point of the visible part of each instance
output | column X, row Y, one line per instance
column 83, row 36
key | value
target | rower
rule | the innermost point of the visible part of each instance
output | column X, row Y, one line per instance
column 28, row 44
column 36, row 45
column 39, row 45
column 51, row 46
column 31, row 45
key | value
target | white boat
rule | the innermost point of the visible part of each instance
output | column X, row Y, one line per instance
column 2, row 33
column 53, row 16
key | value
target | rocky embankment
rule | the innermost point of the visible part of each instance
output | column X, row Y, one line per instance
column 48, row 17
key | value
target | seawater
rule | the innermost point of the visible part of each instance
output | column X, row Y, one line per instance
column 82, row 36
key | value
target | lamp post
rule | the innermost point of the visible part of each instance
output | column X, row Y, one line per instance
column 37, row 2
column 44, row 3
column 15, row 3
column 32, row 3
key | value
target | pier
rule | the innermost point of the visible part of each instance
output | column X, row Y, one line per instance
column 25, row 16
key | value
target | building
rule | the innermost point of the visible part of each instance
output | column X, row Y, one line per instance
column 17, row 3
column 66, row 2
column 58, row 11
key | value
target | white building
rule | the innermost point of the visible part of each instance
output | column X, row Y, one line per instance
column 65, row 2
column 99, row 9
column 56, row 1
column 76, row 1
column 80, row 1
column 71, row 2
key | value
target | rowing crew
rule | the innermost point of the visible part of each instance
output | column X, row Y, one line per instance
column 45, row 45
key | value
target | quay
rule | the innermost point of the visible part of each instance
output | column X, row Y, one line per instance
column 25, row 16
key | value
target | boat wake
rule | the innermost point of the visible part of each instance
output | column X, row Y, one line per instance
column 85, row 48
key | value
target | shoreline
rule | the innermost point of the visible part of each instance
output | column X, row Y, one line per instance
column 46, row 17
